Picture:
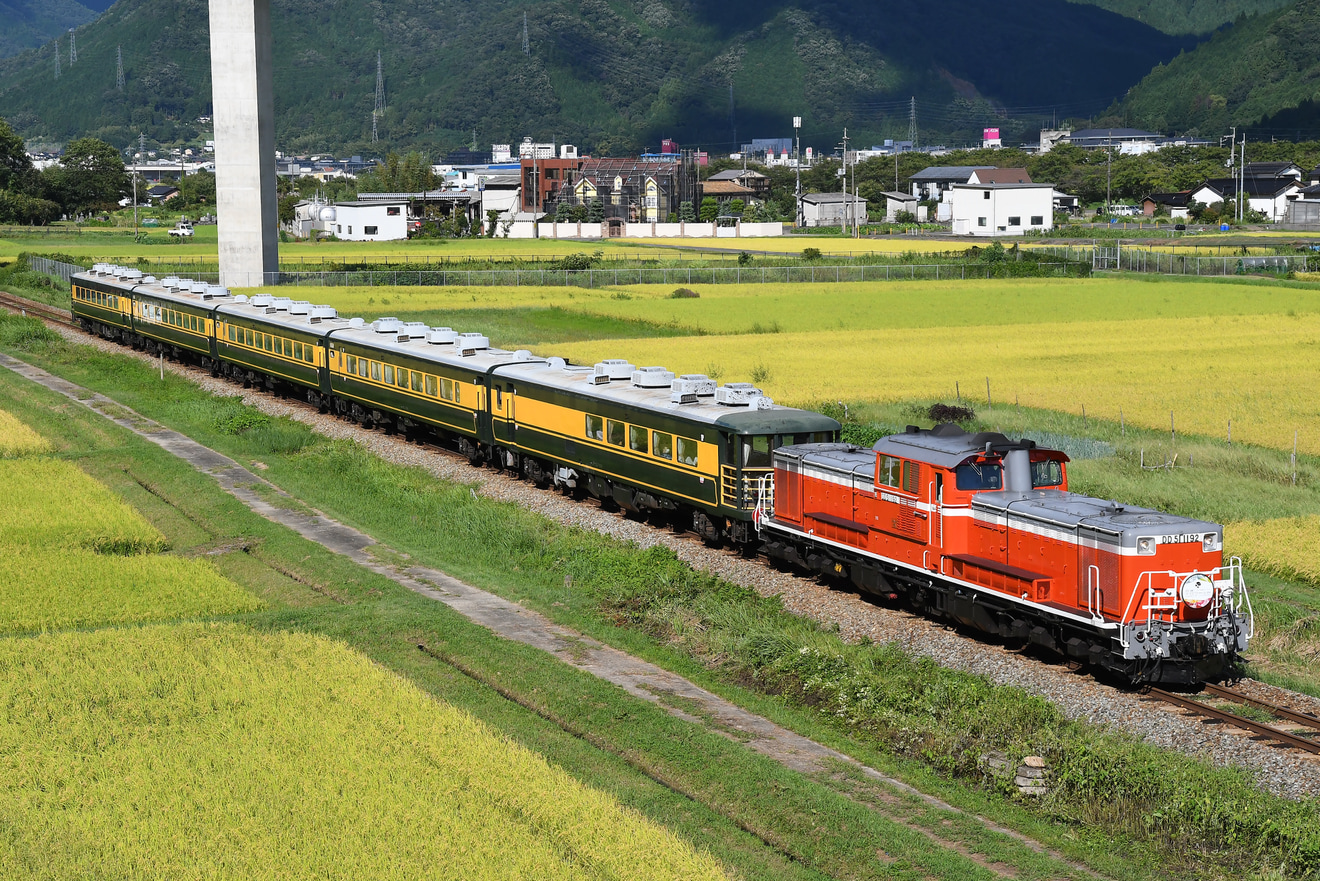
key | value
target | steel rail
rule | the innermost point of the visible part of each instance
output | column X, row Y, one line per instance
column 37, row 309
column 1278, row 734
column 1282, row 712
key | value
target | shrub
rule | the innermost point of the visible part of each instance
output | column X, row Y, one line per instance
column 811, row 253
column 950, row 413
column 684, row 294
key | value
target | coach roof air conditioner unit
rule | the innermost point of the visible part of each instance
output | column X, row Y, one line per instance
column 652, row 377
column 440, row 336
column 471, row 343
column 387, row 325
column 300, row 307
column 611, row 369
column 415, row 329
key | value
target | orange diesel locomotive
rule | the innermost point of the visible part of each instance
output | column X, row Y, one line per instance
column 982, row 530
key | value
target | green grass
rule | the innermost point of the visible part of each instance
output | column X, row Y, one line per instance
column 526, row 558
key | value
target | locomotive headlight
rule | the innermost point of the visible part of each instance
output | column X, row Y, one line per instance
column 1146, row 546
column 1211, row 542
column 1197, row 590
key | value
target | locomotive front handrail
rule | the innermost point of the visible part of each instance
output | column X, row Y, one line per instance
column 1164, row 601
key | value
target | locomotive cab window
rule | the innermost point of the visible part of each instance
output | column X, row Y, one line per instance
column 972, row 476
column 595, row 427
column 1046, row 473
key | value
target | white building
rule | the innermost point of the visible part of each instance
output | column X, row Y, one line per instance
column 370, row 221
column 993, row 209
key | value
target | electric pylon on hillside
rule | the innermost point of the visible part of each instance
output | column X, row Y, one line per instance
column 379, row 110
column 73, row 48
column 119, row 68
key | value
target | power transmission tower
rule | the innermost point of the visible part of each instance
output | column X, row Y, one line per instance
column 380, row 98
column 732, row 122
column 119, row 68
column 912, row 123
column 57, row 58
column 73, row 48
column 527, row 44
column 142, row 143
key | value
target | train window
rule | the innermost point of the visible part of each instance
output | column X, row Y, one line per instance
column 432, row 388
column 662, row 444
column 637, row 438
column 375, row 370
column 416, row 381
column 687, row 451
column 911, row 477
column 447, row 389
column 270, row 343
column 363, row 367
column 972, row 476
column 499, row 398
column 401, row 378
column 279, row 347
column 350, row 364
column 614, row 432
column 309, row 354
column 233, row 334
column 595, row 427
column 458, row 392
column 756, row 451
column 297, row 351
column 889, row 472
column 389, row 374
column 247, row 338
column 1046, row 473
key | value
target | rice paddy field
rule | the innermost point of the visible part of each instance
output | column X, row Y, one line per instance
column 139, row 741
column 212, row 751
column 16, row 439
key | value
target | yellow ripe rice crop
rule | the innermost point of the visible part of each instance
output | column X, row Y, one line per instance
column 16, row 439
column 1260, row 371
column 1284, row 547
column 52, row 590
column 53, row 504
column 203, row 751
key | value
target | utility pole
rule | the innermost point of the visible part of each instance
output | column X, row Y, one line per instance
column 119, row 68
column 135, row 211
column 797, row 169
column 1242, row 176
column 1109, row 173
column 847, row 209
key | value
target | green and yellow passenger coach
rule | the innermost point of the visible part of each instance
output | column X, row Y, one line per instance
column 682, row 449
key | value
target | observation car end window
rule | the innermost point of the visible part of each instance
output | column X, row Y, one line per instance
column 756, row 451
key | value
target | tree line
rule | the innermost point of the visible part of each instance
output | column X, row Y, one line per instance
column 89, row 177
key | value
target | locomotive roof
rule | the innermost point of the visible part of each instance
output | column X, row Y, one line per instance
column 1124, row 523
column 948, row 445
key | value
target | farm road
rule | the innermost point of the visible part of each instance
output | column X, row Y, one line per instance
column 509, row 620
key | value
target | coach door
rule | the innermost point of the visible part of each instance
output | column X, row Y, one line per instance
column 1098, row 589
column 503, row 424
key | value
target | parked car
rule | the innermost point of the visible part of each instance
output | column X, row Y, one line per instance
column 183, row 229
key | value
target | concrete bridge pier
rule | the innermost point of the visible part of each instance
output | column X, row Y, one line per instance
column 243, row 98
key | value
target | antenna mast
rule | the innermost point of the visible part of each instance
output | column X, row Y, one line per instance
column 379, row 109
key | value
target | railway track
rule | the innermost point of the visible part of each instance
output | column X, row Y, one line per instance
column 1273, row 732
column 39, row 310
column 1209, row 711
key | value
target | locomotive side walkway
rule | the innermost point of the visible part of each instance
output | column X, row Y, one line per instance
column 511, row 621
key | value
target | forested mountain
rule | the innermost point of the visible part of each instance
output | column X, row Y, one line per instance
column 1260, row 74
column 1187, row 16
column 612, row 75
column 26, row 24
